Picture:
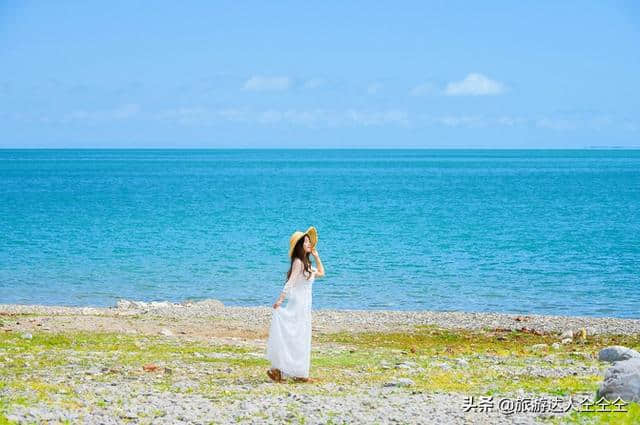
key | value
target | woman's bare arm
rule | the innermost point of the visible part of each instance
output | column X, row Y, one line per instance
column 318, row 262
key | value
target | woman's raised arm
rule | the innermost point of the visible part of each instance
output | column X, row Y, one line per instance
column 320, row 272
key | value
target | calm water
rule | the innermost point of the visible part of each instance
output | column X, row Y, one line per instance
column 555, row 232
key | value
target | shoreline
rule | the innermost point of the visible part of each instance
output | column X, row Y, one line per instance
column 257, row 318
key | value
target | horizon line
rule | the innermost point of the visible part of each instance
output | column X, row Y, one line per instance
column 329, row 148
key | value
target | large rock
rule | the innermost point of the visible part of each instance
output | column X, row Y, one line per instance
column 166, row 332
column 208, row 304
column 130, row 304
column 567, row 334
column 124, row 304
column 400, row 382
column 616, row 353
column 622, row 380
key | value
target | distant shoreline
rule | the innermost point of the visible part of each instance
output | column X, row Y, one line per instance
column 381, row 310
column 257, row 318
column 455, row 148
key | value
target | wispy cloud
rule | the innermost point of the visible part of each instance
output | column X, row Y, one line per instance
column 118, row 113
column 555, row 123
column 462, row 120
column 361, row 117
column 424, row 89
column 201, row 115
column 374, row 118
column 198, row 115
column 474, row 85
column 306, row 117
column 261, row 83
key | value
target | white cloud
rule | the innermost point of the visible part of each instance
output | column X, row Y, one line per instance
column 306, row 117
column 510, row 121
column 119, row 113
column 311, row 118
column 368, row 118
column 556, row 123
column 260, row 83
column 332, row 118
column 423, row 89
column 472, row 120
column 200, row 116
column 474, row 85
column 462, row 121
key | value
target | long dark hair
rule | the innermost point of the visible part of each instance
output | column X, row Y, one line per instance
column 298, row 252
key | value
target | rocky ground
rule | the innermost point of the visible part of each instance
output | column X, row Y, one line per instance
column 202, row 362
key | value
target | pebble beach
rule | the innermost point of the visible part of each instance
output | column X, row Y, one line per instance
column 257, row 318
column 201, row 362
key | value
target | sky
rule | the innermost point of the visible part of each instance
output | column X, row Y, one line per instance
column 333, row 74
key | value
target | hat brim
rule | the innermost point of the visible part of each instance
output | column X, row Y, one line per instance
column 313, row 238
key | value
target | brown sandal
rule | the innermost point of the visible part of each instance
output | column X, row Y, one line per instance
column 275, row 375
column 304, row 379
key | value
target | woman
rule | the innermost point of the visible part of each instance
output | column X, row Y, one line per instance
column 289, row 343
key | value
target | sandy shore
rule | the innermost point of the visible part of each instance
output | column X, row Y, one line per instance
column 203, row 363
column 196, row 318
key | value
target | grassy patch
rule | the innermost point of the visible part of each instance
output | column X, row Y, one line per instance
column 483, row 362
column 129, row 349
column 493, row 359
column 430, row 340
column 631, row 417
column 3, row 410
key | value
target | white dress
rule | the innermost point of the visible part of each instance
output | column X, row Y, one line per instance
column 289, row 342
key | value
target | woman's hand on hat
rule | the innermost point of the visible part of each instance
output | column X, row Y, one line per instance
column 314, row 252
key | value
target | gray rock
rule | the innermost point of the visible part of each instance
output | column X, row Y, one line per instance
column 400, row 382
column 93, row 371
column 622, row 380
column 617, row 353
column 211, row 304
column 462, row 362
column 567, row 334
column 124, row 304
column 442, row 366
column 160, row 304
column 539, row 347
column 26, row 335
column 406, row 365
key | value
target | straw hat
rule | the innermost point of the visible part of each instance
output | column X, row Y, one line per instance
column 311, row 232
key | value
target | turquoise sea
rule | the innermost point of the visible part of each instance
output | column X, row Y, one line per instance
column 523, row 231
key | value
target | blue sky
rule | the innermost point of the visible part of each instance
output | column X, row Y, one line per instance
column 542, row 74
